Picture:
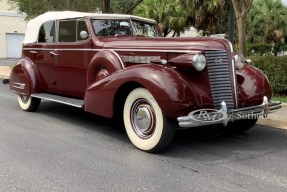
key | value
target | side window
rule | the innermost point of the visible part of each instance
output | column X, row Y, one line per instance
column 67, row 31
column 47, row 32
column 80, row 28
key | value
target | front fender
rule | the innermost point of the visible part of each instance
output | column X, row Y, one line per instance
column 252, row 85
column 173, row 94
column 23, row 79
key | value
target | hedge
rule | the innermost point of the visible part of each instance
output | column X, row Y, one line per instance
column 275, row 68
column 258, row 49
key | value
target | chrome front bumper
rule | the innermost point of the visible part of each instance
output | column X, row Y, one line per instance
column 204, row 117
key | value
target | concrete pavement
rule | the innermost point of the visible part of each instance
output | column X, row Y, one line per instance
column 277, row 119
column 5, row 72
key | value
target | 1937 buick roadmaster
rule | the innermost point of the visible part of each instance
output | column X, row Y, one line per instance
column 111, row 64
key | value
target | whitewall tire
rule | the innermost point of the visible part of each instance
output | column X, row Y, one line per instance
column 28, row 103
column 146, row 126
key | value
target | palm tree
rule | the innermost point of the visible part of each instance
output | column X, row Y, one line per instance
column 255, row 25
column 267, row 22
column 168, row 13
column 275, row 19
column 210, row 15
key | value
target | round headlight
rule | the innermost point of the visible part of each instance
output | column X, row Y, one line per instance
column 199, row 62
column 239, row 61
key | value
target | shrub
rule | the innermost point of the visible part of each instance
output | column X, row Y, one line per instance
column 275, row 68
column 259, row 49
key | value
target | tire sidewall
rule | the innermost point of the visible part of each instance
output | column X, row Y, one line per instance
column 151, row 142
column 24, row 106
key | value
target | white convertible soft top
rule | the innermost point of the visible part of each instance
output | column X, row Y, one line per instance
column 34, row 25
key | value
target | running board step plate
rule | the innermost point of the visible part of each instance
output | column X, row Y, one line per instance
column 59, row 99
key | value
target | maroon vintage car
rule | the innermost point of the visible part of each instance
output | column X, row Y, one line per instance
column 112, row 64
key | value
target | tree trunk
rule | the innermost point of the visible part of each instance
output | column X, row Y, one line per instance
column 106, row 6
column 241, row 34
column 241, row 9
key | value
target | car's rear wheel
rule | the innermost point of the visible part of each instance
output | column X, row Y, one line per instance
column 146, row 126
column 28, row 103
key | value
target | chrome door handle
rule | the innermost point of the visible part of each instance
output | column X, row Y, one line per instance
column 34, row 52
column 54, row 53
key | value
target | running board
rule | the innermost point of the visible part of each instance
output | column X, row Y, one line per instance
column 59, row 99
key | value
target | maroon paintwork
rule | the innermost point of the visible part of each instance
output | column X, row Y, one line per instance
column 99, row 78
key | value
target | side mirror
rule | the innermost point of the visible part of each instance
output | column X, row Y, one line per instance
column 84, row 34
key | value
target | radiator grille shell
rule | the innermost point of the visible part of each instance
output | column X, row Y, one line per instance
column 220, row 78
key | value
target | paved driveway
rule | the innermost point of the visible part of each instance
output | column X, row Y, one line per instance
column 60, row 148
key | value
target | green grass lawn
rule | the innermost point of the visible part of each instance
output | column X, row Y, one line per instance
column 282, row 98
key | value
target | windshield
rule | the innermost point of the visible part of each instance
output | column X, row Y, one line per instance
column 145, row 29
column 107, row 28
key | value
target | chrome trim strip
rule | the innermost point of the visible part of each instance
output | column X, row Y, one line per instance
column 152, row 50
column 58, row 101
column 157, row 50
column 231, row 47
column 19, row 85
column 45, row 49
column 16, row 92
column 120, row 50
column 140, row 59
column 234, row 75
column 234, row 83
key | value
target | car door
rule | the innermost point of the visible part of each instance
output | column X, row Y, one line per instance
column 41, row 54
column 73, row 56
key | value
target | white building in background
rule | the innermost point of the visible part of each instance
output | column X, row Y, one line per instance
column 12, row 30
column 190, row 32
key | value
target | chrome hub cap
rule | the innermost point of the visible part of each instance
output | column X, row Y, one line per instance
column 143, row 118
column 24, row 99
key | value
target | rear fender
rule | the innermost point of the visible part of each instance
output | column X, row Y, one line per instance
column 23, row 79
column 173, row 94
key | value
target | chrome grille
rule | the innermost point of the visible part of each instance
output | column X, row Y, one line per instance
column 219, row 78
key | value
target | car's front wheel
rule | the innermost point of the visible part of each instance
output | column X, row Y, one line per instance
column 146, row 126
column 28, row 103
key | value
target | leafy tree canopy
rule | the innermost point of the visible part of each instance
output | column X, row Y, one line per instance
column 34, row 8
column 267, row 23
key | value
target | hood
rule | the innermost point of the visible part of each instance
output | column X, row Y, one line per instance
column 162, row 43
